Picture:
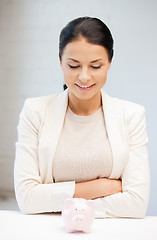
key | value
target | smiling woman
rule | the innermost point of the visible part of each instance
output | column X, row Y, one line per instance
column 85, row 52
column 82, row 143
column 85, row 76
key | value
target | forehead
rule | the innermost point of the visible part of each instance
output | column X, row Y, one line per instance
column 81, row 49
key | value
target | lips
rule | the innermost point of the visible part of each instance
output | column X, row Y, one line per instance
column 85, row 87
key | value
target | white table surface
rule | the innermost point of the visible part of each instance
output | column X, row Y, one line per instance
column 16, row 226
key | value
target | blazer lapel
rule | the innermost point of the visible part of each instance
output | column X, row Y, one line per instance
column 114, row 119
column 50, row 134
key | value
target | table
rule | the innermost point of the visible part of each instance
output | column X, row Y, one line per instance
column 16, row 226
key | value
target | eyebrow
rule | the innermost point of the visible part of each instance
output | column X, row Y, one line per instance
column 78, row 61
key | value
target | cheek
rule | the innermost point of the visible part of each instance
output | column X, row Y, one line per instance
column 101, row 75
column 69, row 75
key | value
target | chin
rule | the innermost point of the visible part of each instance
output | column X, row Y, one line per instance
column 85, row 96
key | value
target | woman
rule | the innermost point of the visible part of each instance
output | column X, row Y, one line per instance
column 82, row 142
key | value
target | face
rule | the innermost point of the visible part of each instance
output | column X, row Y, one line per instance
column 85, row 68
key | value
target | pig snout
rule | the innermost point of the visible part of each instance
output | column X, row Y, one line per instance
column 78, row 219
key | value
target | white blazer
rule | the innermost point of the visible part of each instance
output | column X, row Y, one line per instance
column 39, row 129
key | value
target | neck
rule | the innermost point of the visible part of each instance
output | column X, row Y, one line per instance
column 84, row 107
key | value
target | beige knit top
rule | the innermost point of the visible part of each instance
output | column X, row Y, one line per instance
column 83, row 152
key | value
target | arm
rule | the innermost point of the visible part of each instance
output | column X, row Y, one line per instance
column 133, row 200
column 97, row 188
column 34, row 196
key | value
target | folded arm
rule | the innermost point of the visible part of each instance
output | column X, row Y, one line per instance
column 101, row 187
column 112, row 197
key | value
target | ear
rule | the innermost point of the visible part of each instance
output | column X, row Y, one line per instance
column 68, row 203
column 59, row 59
column 109, row 65
column 61, row 65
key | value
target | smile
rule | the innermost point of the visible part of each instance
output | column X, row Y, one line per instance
column 85, row 87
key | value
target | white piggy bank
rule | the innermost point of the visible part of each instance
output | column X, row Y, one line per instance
column 78, row 214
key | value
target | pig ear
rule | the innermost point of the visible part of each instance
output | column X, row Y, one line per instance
column 68, row 203
column 90, row 203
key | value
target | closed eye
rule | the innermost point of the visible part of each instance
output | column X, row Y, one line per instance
column 79, row 66
column 96, row 67
column 73, row 66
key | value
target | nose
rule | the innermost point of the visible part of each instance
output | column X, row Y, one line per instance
column 78, row 218
column 84, row 75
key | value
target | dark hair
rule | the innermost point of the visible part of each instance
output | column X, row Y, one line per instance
column 92, row 29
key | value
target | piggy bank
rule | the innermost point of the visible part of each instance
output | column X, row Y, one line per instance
column 78, row 214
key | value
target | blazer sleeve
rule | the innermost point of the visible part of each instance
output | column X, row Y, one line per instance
column 133, row 200
column 32, row 195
